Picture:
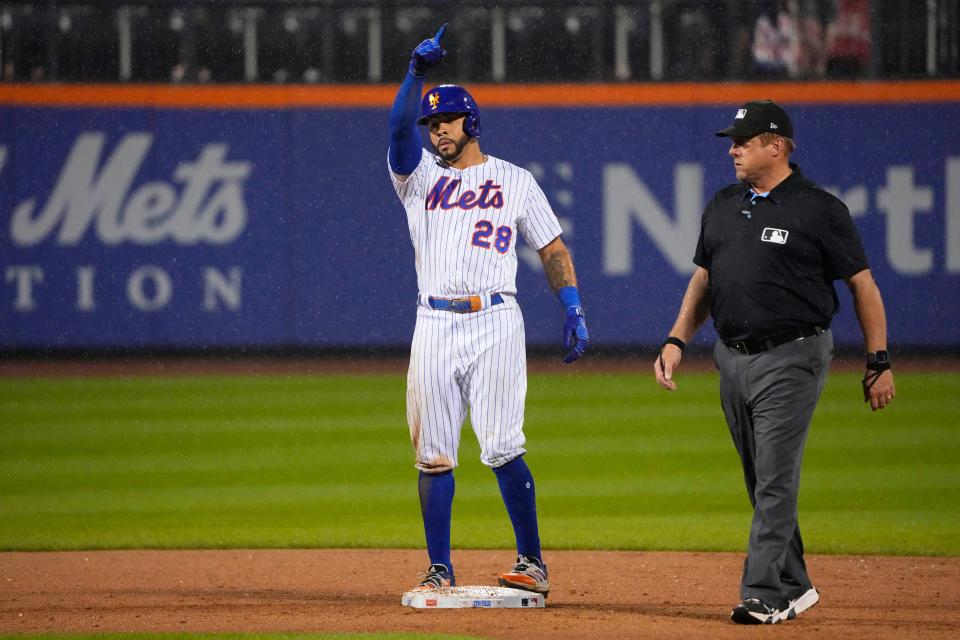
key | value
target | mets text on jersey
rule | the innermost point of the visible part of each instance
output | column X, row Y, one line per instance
column 487, row 195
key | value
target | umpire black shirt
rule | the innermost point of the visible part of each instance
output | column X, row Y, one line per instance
column 772, row 263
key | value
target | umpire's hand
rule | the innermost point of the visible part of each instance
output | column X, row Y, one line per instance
column 665, row 364
column 881, row 391
column 428, row 54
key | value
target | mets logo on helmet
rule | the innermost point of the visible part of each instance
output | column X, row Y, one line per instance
column 434, row 100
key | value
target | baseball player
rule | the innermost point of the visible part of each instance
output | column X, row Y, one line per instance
column 466, row 210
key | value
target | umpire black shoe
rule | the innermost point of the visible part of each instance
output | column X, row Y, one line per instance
column 754, row 611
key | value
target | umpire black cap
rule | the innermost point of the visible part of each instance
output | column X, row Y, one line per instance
column 761, row 116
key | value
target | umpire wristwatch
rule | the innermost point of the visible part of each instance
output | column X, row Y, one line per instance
column 878, row 360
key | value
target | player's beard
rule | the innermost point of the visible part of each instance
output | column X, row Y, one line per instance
column 451, row 155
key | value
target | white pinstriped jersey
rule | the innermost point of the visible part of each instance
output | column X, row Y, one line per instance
column 464, row 224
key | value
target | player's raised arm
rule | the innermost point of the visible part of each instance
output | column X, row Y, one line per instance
column 563, row 280
column 405, row 144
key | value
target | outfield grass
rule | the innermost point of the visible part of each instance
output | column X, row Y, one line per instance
column 312, row 461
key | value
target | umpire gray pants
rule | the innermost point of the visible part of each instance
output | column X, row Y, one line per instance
column 768, row 400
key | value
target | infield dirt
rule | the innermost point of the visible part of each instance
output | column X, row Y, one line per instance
column 596, row 594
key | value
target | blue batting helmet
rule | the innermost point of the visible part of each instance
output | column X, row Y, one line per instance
column 451, row 98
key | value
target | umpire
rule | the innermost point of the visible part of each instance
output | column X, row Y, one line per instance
column 769, row 250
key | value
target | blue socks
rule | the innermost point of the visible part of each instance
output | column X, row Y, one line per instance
column 436, row 504
column 520, row 498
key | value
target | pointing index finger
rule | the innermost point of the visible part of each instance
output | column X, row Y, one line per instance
column 440, row 32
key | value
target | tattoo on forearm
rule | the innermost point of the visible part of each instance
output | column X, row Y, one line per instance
column 559, row 270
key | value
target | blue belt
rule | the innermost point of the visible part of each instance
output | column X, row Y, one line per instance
column 467, row 304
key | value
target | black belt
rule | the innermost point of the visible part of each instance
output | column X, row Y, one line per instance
column 761, row 343
column 462, row 305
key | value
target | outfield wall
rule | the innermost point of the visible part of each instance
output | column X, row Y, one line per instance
column 144, row 216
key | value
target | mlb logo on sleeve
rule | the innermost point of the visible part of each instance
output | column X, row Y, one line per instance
column 778, row 236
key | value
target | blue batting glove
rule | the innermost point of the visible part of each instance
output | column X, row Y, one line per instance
column 575, row 334
column 428, row 54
